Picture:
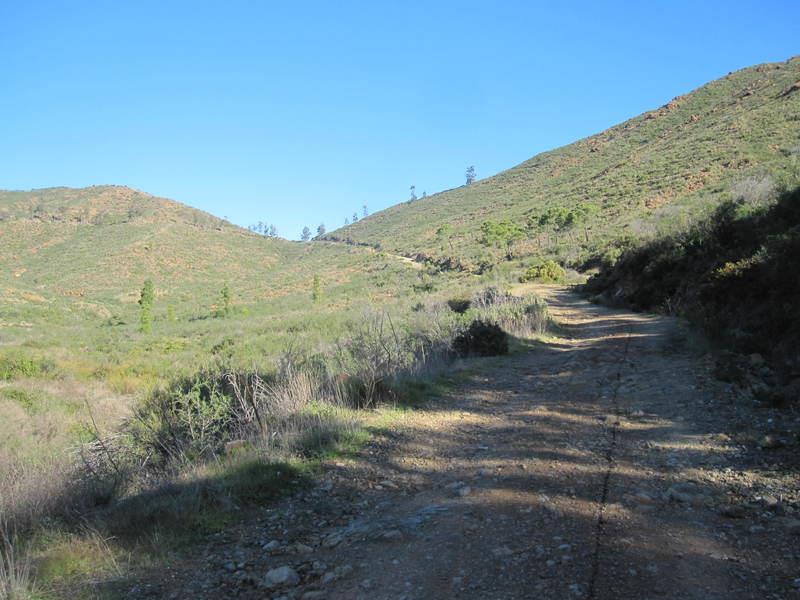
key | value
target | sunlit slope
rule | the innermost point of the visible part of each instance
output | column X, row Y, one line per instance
column 639, row 176
column 89, row 250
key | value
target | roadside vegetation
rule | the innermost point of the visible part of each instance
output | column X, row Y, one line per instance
column 733, row 274
column 188, row 455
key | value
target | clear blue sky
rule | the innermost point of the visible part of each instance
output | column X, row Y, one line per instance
column 298, row 113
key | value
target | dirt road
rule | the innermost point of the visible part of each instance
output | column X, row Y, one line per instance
column 604, row 464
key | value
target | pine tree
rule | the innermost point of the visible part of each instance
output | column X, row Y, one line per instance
column 306, row 235
column 470, row 174
column 321, row 230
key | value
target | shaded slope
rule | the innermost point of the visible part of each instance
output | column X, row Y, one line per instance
column 735, row 275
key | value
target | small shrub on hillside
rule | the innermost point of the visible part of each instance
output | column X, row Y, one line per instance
column 224, row 304
column 754, row 191
column 500, row 234
column 547, row 272
column 432, row 334
column 370, row 355
column 561, row 217
column 482, row 338
column 424, row 284
column 187, row 420
column 15, row 365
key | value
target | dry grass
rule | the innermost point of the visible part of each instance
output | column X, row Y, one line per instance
column 44, row 417
column 29, row 492
column 16, row 582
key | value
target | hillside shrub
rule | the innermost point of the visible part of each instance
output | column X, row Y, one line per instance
column 499, row 234
column 146, row 301
column 547, row 272
column 561, row 217
column 521, row 316
column 14, row 365
column 481, row 338
column 186, row 420
column 223, row 308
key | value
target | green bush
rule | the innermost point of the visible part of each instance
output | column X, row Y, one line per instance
column 500, row 234
column 146, row 301
column 561, row 217
column 15, row 365
column 224, row 302
column 547, row 272
column 521, row 316
column 187, row 420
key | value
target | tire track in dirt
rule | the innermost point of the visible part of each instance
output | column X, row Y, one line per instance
column 610, row 457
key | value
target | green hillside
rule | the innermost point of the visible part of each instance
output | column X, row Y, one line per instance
column 73, row 261
column 640, row 178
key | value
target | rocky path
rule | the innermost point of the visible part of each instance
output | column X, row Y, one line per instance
column 606, row 464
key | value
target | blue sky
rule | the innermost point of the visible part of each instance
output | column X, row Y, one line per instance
column 298, row 113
